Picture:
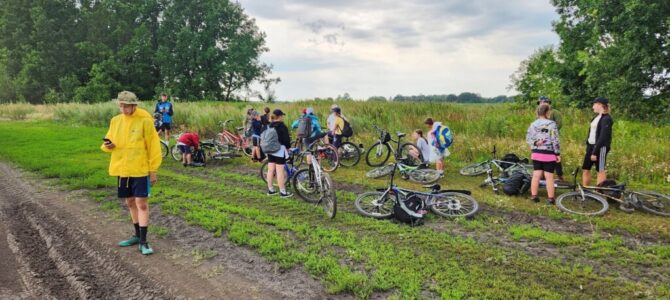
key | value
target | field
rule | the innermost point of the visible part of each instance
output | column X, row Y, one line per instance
column 513, row 248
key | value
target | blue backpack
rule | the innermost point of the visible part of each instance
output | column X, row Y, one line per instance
column 443, row 137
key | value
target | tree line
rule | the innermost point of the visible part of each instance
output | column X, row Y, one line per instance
column 466, row 97
column 88, row 50
column 616, row 49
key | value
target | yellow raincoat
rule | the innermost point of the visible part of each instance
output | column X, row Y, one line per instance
column 137, row 150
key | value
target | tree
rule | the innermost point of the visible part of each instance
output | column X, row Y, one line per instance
column 537, row 77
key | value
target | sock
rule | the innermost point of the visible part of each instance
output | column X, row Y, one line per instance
column 143, row 234
column 137, row 229
column 282, row 191
column 271, row 190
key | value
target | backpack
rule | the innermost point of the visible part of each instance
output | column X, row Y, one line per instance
column 509, row 157
column 304, row 127
column 347, row 131
column 443, row 137
column 199, row 157
column 517, row 183
column 270, row 140
column 409, row 210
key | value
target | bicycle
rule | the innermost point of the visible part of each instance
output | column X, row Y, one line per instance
column 407, row 172
column 382, row 150
column 349, row 153
column 496, row 181
column 233, row 142
column 446, row 203
column 315, row 186
column 165, row 148
column 483, row 167
column 592, row 200
column 326, row 154
column 289, row 167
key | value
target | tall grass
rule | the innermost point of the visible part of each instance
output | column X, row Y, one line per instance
column 639, row 149
column 16, row 111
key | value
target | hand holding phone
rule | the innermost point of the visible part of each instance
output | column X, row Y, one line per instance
column 108, row 143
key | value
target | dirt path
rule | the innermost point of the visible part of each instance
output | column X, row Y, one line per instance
column 59, row 245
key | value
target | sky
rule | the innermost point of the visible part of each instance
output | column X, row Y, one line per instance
column 324, row 48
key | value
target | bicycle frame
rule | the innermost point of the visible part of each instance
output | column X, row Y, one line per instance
column 379, row 147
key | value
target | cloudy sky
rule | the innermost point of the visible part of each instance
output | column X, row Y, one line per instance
column 324, row 48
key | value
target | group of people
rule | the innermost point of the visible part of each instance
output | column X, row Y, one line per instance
column 543, row 138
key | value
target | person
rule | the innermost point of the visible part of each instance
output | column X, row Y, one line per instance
column 555, row 116
column 135, row 158
column 265, row 118
column 437, row 155
column 335, row 128
column 165, row 108
column 187, row 140
column 331, row 118
column 316, row 132
column 542, row 136
column 422, row 145
column 256, row 129
column 598, row 142
column 158, row 121
column 277, row 160
column 247, row 121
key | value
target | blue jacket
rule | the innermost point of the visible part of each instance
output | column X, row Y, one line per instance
column 167, row 115
column 316, row 127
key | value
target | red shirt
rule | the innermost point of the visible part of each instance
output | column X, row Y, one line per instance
column 190, row 139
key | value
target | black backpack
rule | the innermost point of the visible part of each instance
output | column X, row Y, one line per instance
column 199, row 157
column 347, row 131
column 409, row 210
column 517, row 183
column 304, row 127
column 509, row 157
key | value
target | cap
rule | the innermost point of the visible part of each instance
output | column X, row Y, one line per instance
column 428, row 121
column 127, row 97
column 334, row 106
column 601, row 100
column 309, row 110
column 337, row 110
column 304, row 110
column 278, row 112
column 544, row 99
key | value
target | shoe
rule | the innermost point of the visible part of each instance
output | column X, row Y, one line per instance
column 146, row 249
column 129, row 242
column 271, row 193
column 535, row 199
column 285, row 195
column 551, row 201
column 185, row 165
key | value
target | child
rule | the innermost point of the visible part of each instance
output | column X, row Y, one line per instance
column 158, row 121
column 422, row 144
column 184, row 143
column 256, row 129
column 542, row 137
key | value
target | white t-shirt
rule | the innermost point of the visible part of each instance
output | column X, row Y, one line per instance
column 424, row 148
column 594, row 128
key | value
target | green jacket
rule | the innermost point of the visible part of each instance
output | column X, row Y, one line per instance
column 556, row 117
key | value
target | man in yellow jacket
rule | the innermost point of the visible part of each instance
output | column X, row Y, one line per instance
column 135, row 147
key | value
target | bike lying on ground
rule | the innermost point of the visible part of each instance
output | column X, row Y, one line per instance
column 506, row 175
column 592, row 200
column 315, row 186
column 411, row 173
column 485, row 166
column 380, row 152
column 446, row 203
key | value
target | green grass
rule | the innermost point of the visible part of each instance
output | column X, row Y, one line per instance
column 484, row 258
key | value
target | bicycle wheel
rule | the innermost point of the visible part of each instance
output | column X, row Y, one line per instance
column 453, row 204
column 653, row 202
column 407, row 158
column 586, row 205
column 375, row 205
column 165, row 149
column 424, row 176
column 349, row 154
column 380, row 172
column 176, row 154
column 245, row 145
column 328, row 197
column 475, row 169
column 327, row 157
column 378, row 154
column 305, row 186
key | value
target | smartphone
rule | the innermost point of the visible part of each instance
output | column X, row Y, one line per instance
column 107, row 141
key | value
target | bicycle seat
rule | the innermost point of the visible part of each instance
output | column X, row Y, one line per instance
column 400, row 134
column 434, row 187
column 239, row 128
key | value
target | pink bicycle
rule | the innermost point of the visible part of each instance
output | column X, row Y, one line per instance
column 231, row 143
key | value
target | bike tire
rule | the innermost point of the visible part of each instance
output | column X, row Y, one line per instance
column 653, row 202
column 574, row 202
column 350, row 154
column 176, row 154
column 374, row 159
column 165, row 149
column 424, row 176
column 408, row 159
column 245, row 146
column 327, row 157
column 475, row 169
column 371, row 204
column 380, row 171
column 328, row 196
column 306, row 190
column 453, row 204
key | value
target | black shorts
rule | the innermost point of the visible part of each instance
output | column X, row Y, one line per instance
column 276, row 159
column 335, row 139
column 547, row 166
column 165, row 126
column 255, row 140
column 601, row 158
column 129, row 187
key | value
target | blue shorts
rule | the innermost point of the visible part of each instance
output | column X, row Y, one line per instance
column 130, row 187
column 184, row 149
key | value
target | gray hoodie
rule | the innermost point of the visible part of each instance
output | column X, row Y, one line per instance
column 543, row 130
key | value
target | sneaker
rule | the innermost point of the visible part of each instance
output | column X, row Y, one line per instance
column 129, row 242
column 146, row 249
column 551, row 201
column 535, row 199
column 271, row 193
column 285, row 195
column 185, row 165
